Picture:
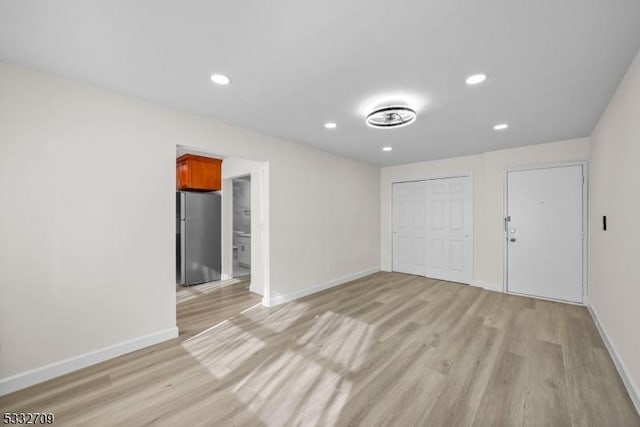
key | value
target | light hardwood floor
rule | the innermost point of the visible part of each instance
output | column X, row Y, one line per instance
column 388, row 349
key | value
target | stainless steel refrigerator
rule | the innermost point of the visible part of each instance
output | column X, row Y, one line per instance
column 198, row 237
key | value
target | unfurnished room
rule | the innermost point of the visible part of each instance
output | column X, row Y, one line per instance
column 337, row 213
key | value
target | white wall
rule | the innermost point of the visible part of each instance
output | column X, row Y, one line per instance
column 615, row 175
column 488, row 197
column 87, row 181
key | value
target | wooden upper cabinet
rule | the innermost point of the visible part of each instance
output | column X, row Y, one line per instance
column 198, row 173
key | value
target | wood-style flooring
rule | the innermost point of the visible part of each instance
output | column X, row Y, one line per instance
column 388, row 349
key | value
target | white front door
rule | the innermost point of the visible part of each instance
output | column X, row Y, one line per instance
column 409, row 227
column 449, row 229
column 545, row 232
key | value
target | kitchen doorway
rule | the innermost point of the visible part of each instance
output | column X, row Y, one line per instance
column 255, row 258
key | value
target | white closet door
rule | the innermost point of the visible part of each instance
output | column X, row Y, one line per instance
column 409, row 227
column 544, row 234
column 449, row 229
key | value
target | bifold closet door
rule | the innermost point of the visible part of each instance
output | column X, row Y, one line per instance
column 408, row 218
column 449, row 240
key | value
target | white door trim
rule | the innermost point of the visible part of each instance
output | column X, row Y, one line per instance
column 428, row 178
column 585, row 223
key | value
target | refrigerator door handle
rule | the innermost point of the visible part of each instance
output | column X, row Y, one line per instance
column 180, row 252
column 183, row 252
column 181, row 275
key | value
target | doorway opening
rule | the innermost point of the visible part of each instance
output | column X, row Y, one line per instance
column 251, row 179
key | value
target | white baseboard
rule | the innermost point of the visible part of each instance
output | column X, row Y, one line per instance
column 487, row 286
column 281, row 299
column 631, row 386
column 44, row 373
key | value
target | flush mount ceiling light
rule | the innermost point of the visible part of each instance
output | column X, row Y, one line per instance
column 330, row 125
column 501, row 126
column 476, row 78
column 387, row 148
column 220, row 79
column 392, row 116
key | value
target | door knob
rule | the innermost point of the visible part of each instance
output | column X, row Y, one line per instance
column 513, row 239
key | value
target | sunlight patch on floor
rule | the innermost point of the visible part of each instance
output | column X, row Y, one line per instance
column 341, row 339
column 206, row 331
column 223, row 349
column 301, row 380
column 281, row 317
column 295, row 388
column 306, row 384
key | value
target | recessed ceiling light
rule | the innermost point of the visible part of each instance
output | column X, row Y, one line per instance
column 501, row 126
column 330, row 125
column 387, row 148
column 476, row 78
column 220, row 79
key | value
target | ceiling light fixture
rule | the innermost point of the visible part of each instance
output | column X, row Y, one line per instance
column 392, row 116
column 387, row 148
column 392, row 97
column 476, row 78
column 330, row 125
column 501, row 126
column 220, row 79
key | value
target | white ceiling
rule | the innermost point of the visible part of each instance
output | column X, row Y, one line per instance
column 552, row 64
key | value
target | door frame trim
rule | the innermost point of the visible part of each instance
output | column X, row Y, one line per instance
column 466, row 174
column 585, row 224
